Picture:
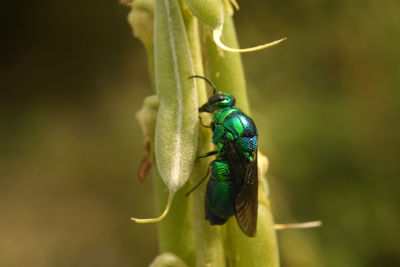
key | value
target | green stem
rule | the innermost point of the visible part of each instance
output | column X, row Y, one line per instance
column 227, row 73
column 225, row 68
column 176, row 232
column 208, row 239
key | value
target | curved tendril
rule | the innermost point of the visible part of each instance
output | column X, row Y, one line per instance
column 217, row 39
column 162, row 216
column 311, row 224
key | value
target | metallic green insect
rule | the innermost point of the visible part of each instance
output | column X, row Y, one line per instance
column 232, row 187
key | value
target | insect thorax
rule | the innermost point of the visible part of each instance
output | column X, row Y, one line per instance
column 231, row 124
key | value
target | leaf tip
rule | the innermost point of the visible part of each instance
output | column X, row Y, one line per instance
column 161, row 217
column 217, row 39
column 304, row 225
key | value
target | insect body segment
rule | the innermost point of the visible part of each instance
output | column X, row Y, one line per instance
column 218, row 203
column 231, row 124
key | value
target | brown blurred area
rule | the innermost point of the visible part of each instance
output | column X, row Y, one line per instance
column 326, row 102
column 72, row 79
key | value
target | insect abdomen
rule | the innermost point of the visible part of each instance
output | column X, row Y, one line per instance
column 219, row 199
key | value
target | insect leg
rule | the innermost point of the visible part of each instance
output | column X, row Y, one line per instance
column 207, row 155
column 202, row 179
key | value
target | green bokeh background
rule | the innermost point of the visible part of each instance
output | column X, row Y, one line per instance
column 326, row 102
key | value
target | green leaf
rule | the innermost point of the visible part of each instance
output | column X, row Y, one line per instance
column 177, row 121
column 207, row 11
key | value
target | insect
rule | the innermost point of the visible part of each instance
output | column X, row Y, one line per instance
column 233, row 185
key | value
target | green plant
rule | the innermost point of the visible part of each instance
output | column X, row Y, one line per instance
column 186, row 40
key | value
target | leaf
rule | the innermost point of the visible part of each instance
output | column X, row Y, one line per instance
column 207, row 11
column 177, row 121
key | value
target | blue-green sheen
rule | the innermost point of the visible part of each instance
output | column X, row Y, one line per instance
column 233, row 185
column 232, row 124
column 229, row 124
column 219, row 200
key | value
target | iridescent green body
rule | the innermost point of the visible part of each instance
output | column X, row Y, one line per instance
column 232, row 187
column 235, row 135
column 231, row 124
column 219, row 200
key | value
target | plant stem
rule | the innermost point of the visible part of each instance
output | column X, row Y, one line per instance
column 184, row 232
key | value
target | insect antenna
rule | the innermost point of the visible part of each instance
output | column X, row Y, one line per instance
column 207, row 80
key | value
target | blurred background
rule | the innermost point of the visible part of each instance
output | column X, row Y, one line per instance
column 326, row 102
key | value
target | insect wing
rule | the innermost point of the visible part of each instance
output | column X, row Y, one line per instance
column 245, row 188
column 246, row 202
